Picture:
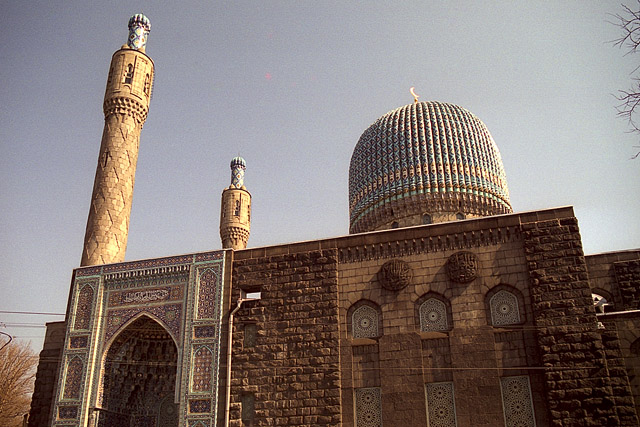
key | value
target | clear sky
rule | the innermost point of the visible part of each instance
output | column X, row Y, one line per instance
column 290, row 86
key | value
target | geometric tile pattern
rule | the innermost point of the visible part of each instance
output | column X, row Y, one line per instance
column 425, row 151
column 504, row 309
column 368, row 407
column 441, row 410
column 516, row 401
column 199, row 406
column 365, row 322
column 433, row 316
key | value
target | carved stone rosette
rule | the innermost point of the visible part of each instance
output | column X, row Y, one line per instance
column 395, row 275
column 462, row 267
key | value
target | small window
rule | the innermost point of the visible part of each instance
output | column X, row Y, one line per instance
column 147, row 84
column 364, row 322
column 426, row 219
column 395, row 224
column 460, row 216
column 441, row 408
column 433, row 316
column 248, row 408
column 236, row 212
column 504, row 309
column 128, row 76
column 249, row 335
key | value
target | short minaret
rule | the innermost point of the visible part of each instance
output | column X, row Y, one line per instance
column 126, row 103
column 235, row 213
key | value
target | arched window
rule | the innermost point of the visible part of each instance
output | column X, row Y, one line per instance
column 364, row 322
column 147, row 84
column 128, row 76
column 504, row 309
column 460, row 215
column 236, row 212
column 426, row 219
column 433, row 316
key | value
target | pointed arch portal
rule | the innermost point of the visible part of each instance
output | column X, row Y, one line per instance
column 139, row 376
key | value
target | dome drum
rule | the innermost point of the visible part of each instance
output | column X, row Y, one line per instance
column 409, row 210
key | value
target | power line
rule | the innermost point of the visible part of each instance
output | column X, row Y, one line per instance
column 31, row 312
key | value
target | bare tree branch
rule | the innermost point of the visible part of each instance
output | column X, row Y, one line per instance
column 628, row 108
column 17, row 371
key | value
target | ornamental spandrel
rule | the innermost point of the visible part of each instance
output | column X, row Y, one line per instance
column 395, row 275
column 462, row 267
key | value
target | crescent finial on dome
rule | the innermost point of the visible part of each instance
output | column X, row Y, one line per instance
column 415, row 97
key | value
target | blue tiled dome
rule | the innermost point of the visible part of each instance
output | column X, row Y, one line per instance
column 425, row 157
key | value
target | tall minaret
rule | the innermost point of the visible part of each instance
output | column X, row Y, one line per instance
column 235, row 213
column 126, row 103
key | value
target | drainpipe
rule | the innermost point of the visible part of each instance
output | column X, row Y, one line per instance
column 229, row 340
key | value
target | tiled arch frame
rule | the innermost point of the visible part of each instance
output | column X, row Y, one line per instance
column 433, row 313
column 364, row 320
column 116, row 333
column 500, row 303
column 122, row 328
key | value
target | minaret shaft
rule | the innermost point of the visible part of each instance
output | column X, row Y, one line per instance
column 126, row 104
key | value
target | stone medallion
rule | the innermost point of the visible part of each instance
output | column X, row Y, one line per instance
column 462, row 267
column 395, row 275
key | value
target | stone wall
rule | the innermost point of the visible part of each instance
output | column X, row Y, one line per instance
column 471, row 354
column 288, row 372
column 583, row 377
column 616, row 276
column 47, row 375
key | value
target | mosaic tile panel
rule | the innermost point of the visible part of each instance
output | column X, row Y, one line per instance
column 199, row 423
column 205, row 331
column 209, row 256
column 200, row 406
column 201, row 375
column 433, row 316
column 84, row 308
column 516, row 401
column 504, row 309
column 170, row 314
column 67, row 412
column 364, row 322
column 89, row 271
column 73, row 379
column 425, row 150
column 441, row 410
column 79, row 342
column 368, row 407
column 209, row 292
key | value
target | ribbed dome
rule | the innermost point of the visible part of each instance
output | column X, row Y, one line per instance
column 425, row 158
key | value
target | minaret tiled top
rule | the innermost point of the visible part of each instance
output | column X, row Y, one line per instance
column 139, row 28
column 238, row 166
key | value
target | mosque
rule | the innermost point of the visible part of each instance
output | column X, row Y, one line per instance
column 441, row 307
